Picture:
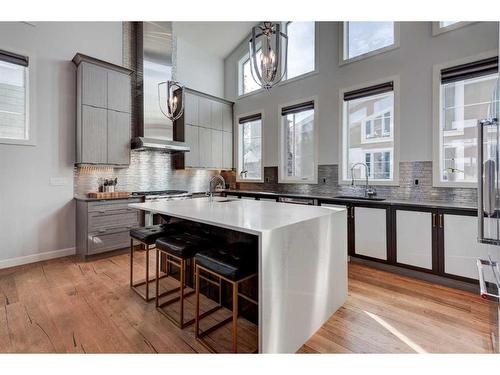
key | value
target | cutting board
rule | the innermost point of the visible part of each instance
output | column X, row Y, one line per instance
column 109, row 195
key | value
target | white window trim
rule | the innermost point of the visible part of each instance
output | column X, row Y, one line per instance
column 238, row 147
column 436, row 119
column 282, row 179
column 395, row 130
column 343, row 61
column 437, row 29
column 29, row 100
column 241, row 60
column 365, row 140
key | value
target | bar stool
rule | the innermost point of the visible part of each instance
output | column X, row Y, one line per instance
column 178, row 248
column 147, row 236
column 233, row 264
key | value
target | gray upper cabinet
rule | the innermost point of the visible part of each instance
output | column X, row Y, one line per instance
column 227, row 150
column 216, row 137
column 103, row 119
column 118, row 138
column 205, row 112
column 192, row 158
column 191, row 107
column 119, row 91
column 205, row 148
column 227, row 117
column 216, row 115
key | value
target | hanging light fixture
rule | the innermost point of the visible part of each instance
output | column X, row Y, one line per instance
column 174, row 110
column 270, row 67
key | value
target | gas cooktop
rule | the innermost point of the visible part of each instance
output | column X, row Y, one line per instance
column 161, row 192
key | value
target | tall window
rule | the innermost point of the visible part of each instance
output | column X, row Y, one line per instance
column 298, row 146
column 466, row 96
column 250, row 148
column 368, row 133
column 13, row 98
column 301, row 48
column 364, row 38
column 246, row 82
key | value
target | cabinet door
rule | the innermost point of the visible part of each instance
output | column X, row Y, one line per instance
column 94, row 85
column 216, row 148
column 94, row 135
column 205, row 147
column 461, row 248
column 370, row 237
column 192, row 158
column 414, row 238
column 191, row 109
column 205, row 112
column 216, row 115
column 227, row 150
column 227, row 117
column 118, row 138
column 119, row 91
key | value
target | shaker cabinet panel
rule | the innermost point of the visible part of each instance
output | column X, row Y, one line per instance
column 94, row 135
column 191, row 135
column 370, row 232
column 227, row 117
column 216, row 148
column 205, row 143
column 205, row 112
column 118, row 138
column 94, row 85
column 414, row 238
column 191, row 109
column 119, row 95
column 227, row 150
column 216, row 115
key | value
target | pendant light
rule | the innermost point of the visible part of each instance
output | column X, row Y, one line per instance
column 271, row 44
column 174, row 110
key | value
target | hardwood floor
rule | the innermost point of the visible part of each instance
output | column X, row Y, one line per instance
column 67, row 306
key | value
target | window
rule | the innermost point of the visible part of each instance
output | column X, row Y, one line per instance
column 14, row 98
column 247, row 83
column 466, row 96
column 444, row 26
column 301, row 48
column 362, row 39
column 368, row 133
column 298, row 143
column 250, row 148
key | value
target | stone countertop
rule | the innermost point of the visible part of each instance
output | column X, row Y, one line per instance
column 250, row 216
column 337, row 200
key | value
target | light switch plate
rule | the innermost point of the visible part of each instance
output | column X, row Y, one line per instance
column 59, row 181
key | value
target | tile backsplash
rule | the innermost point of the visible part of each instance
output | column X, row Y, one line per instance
column 407, row 190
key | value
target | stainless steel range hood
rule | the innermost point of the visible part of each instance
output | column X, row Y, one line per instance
column 154, row 61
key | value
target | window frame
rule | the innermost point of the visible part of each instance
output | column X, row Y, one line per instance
column 343, row 45
column 241, row 62
column 343, row 180
column 282, row 178
column 437, row 29
column 239, row 159
column 28, row 100
column 437, row 118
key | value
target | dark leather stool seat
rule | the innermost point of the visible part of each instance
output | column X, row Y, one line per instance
column 148, row 235
column 182, row 245
column 234, row 262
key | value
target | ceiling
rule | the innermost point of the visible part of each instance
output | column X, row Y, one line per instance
column 218, row 38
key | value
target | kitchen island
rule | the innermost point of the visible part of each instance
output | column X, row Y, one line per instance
column 302, row 260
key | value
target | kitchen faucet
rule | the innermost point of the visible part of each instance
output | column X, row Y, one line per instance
column 370, row 191
column 217, row 178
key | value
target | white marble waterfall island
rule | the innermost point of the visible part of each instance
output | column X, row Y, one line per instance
column 302, row 260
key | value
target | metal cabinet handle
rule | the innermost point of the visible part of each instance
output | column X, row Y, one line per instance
column 434, row 220
column 441, row 220
column 482, row 284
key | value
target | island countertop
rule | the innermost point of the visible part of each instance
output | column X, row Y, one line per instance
column 248, row 216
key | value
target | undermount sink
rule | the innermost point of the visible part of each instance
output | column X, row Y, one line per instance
column 359, row 198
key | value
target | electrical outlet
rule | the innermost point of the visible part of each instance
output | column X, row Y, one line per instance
column 325, row 180
column 267, row 179
column 416, row 182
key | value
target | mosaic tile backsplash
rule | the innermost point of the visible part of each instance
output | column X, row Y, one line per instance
column 408, row 172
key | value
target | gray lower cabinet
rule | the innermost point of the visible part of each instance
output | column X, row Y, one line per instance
column 118, row 137
column 94, row 135
column 104, row 225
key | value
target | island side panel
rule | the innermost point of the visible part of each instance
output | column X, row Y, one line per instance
column 303, row 280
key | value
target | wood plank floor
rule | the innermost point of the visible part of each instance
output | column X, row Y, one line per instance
column 69, row 306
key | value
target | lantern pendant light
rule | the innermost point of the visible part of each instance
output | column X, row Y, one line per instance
column 271, row 44
column 174, row 110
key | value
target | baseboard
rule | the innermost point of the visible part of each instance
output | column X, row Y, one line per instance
column 6, row 263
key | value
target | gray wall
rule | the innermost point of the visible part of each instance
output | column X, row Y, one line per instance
column 35, row 214
column 412, row 61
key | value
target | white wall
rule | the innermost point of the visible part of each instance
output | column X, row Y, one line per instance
column 36, row 217
column 197, row 68
column 412, row 61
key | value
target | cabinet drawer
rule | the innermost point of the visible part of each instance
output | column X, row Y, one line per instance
column 111, row 205
column 112, row 219
column 108, row 241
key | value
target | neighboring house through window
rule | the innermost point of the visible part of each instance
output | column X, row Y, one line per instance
column 250, row 147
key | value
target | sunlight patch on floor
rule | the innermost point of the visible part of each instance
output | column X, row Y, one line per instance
column 417, row 348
